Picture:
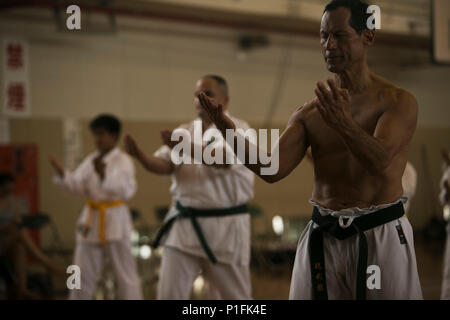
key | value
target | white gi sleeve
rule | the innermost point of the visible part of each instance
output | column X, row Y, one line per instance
column 120, row 180
column 74, row 182
column 164, row 153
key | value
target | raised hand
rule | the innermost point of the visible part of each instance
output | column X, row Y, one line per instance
column 166, row 137
column 333, row 105
column 57, row 165
column 151, row 163
column 131, row 146
column 216, row 113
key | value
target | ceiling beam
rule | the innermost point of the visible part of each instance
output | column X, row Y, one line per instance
column 210, row 17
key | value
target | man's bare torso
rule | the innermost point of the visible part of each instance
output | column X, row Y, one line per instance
column 340, row 181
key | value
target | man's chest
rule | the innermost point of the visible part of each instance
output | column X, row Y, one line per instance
column 322, row 138
column 91, row 176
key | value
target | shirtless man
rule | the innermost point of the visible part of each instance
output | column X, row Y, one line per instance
column 359, row 130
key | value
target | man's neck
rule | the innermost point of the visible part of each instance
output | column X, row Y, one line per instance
column 105, row 152
column 356, row 79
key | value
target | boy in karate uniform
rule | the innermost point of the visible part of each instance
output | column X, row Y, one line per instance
column 106, row 178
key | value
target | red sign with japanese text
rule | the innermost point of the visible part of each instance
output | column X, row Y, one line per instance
column 16, row 88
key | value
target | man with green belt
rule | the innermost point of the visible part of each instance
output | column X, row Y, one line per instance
column 207, row 228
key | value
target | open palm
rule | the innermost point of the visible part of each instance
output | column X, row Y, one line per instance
column 216, row 113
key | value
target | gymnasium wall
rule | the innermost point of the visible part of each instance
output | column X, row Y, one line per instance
column 146, row 74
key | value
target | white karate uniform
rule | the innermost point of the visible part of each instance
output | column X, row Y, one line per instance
column 397, row 261
column 205, row 187
column 119, row 184
column 445, row 293
column 409, row 183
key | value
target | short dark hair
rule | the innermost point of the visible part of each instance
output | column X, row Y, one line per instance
column 6, row 178
column 108, row 122
column 358, row 9
column 223, row 85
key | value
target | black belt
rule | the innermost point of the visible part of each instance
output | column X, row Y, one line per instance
column 331, row 225
column 193, row 214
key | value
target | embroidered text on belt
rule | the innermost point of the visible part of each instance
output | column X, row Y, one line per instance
column 193, row 214
column 101, row 207
column 332, row 226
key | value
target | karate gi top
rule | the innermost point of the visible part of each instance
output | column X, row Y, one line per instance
column 206, row 187
column 119, row 184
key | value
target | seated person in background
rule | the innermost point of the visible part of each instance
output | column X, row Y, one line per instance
column 15, row 242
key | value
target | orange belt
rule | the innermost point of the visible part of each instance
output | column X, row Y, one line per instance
column 101, row 207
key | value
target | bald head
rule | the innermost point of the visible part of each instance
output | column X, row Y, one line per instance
column 221, row 83
column 215, row 87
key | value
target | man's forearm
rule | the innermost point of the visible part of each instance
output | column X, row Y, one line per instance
column 153, row 164
column 365, row 148
column 245, row 157
column 59, row 171
column 257, row 167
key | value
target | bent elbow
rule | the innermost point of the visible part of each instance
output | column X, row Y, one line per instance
column 270, row 178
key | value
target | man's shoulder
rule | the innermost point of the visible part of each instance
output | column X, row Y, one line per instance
column 90, row 156
column 187, row 125
column 305, row 111
column 396, row 98
column 405, row 98
column 241, row 124
column 398, row 105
